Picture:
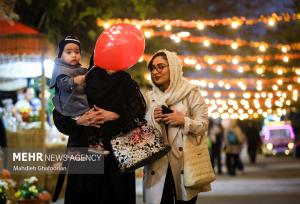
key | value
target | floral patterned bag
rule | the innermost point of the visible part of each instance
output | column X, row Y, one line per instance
column 141, row 146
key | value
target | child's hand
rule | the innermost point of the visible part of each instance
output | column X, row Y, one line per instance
column 79, row 80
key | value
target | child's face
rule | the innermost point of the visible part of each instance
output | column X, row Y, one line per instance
column 71, row 54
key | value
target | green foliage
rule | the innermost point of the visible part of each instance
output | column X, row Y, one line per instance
column 59, row 18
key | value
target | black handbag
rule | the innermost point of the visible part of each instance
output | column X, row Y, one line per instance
column 139, row 147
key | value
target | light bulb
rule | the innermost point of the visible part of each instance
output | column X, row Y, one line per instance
column 234, row 45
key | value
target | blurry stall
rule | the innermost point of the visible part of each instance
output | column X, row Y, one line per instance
column 22, row 58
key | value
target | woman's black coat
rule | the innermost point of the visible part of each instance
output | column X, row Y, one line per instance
column 120, row 94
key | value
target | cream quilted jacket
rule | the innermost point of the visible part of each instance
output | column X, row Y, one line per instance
column 195, row 126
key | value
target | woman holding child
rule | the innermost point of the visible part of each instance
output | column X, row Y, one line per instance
column 115, row 103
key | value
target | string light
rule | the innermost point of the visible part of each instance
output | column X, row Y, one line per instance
column 175, row 38
column 260, row 60
column 284, row 49
column 259, row 70
column 235, row 61
column 221, row 83
column 259, row 83
column 231, row 95
column 106, row 25
column 259, row 88
column 234, row 45
column 206, row 43
column 210, row 61
column 247, row 95
column 147, row 34
column 295, row 95
column 198, row 67
column 147, row 76
column 211, row 85
column 168, row 27
column 271, row 22
column 275, row 87
column 183, row 34
column 270, row 95
column 286, row 59
column 262, row 48
column 200, row 26
column 219, row 68
column 279, row 71
column 217, row 94
column 138, row 26
column 235, row 24
column 141, row 59
column 189, row 61
column 227, row 86
column 283, row 95
column 241, row 69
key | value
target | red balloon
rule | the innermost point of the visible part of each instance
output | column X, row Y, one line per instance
column 119, row 47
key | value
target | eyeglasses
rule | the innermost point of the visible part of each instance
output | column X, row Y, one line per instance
column 158, row 67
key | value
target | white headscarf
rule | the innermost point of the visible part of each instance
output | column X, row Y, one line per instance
column 177, row 90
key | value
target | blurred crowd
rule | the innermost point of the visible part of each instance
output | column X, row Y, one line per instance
column 228, row 137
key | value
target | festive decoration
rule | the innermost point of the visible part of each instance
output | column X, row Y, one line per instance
column 234, row 22
column 242, row 86
column 119, row 47
column 233, row 59
column 234, row 44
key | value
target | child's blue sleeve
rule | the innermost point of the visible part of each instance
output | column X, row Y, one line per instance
column 65, row 83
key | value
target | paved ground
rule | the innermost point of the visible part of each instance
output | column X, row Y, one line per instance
column 273, row 180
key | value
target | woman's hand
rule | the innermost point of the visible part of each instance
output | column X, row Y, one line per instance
column 158, row 114
column 96, row 116
column 88, row 119
column 176, row 118
column 104, row 115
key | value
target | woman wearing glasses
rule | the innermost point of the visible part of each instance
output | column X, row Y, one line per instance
column 187, row 117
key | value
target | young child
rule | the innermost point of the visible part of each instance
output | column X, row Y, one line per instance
column 68, row 79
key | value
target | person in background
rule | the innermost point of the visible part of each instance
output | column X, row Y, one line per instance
column 253, row 140
column 3, row 141
column 216, row 136
column 38, row 103
column 234, row 139
column 24, row 106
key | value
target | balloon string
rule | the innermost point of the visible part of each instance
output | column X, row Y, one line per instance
column 90, row 70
